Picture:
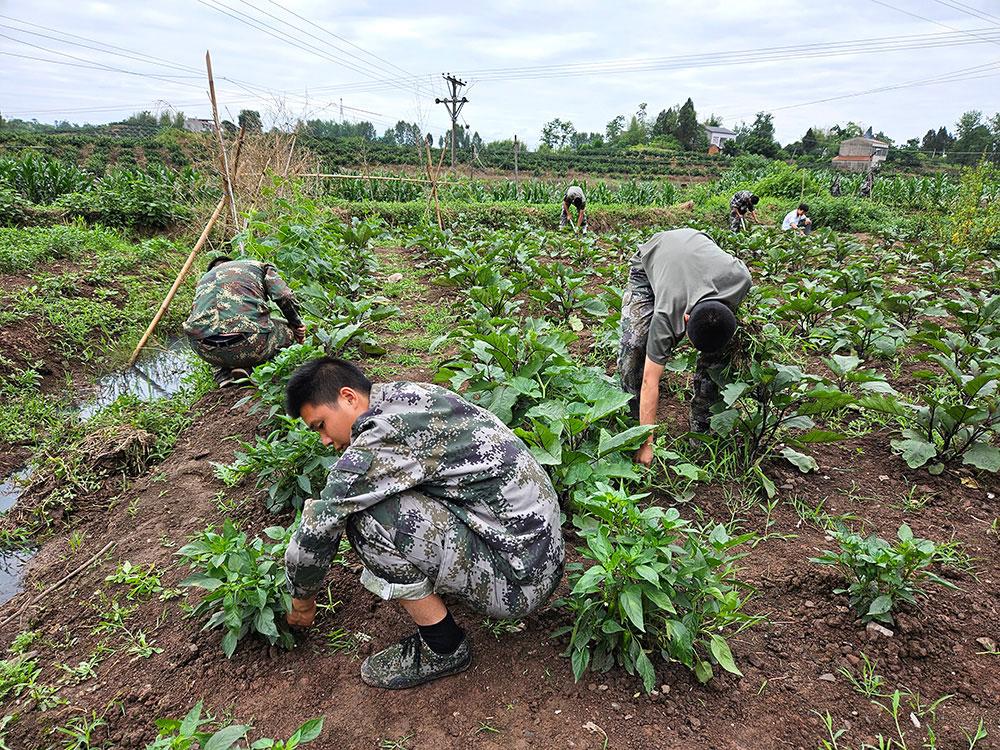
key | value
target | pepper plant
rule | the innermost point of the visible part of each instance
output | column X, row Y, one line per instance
column 245, row 581
column 658, row 586
column 882, row 574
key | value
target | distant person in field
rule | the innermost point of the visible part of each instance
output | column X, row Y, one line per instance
column 680, row 284
column 574, row 197
column 230, row 325
column 438, row 498
column 835, row 187
column 868, row 185
column 742, row 204
column 797, row 219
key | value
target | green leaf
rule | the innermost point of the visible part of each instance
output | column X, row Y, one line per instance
column 202, row 580
column 722, row 423
column 703, row 671
column 801, row 461
column 720, row 650
column 628, row 438
column 225, row 738
column 645, row 668
column 310, row 730
column 580, row 660
column 191, row 721
column 631, row 601
column 914, row 451
column 589, row 580
column 881, row 605
column 820, row 436
column 983, row 456
column 229, row 641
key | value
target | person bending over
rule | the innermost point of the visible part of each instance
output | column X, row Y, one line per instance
column 680, row 284
column 574, row 197
column 230, row 326
column 742, row 204
column 437, row 497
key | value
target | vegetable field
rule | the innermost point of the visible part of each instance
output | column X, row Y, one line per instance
column 823, row 571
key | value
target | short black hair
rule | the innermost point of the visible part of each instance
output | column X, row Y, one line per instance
column 755, row 199
column 319, row 381
column 710, row 326
column 803, row 208
column 218, row 260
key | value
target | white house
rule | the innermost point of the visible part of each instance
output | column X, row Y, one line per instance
column 717, row 136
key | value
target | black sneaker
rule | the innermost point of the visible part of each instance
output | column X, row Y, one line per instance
column 412, row 662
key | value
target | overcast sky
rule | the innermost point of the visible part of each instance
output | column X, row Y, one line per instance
column 723, row 54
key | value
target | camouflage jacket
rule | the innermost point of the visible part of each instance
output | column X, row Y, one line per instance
column 232, row 298
column 418, row 436
column 741, row 202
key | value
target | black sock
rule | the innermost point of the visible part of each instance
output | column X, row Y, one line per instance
column 442, row 637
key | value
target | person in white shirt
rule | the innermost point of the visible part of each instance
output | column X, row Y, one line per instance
column 797, row 219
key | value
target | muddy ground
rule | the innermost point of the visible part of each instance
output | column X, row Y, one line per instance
column 520, row 693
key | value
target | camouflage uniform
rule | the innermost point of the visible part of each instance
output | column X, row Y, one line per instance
column 835, row 187
column 739, row 204
column 574, row 196
column 437, row 495
column 638, row 307
column 230, row 325
column 867, row 185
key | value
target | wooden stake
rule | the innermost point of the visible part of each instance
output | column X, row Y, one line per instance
column 177, row 282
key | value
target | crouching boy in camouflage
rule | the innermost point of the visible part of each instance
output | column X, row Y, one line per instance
column 438, row 497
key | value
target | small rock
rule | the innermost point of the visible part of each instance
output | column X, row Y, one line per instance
column 987, row 643
column 665, row 688
column 828, row 677
column 853, row 660
column 394, row 278
column 694, row 722
column 602, row 687
column 616, row 706
column 592, row 686
column 875, row 630
column 193, row 648
column 527, row 733
column 810, row 605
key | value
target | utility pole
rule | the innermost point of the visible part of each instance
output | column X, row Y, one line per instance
column 454, row 106
column 516, row 146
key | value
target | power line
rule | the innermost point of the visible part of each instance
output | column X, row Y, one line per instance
column 974, row 72
column 930, row 20
column 969, row 10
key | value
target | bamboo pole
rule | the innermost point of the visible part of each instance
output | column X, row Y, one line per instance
column 337, row 176
column 226, row 183
column 437, row 206
column 177, row 282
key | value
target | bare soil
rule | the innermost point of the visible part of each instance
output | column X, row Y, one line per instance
column 520, row 693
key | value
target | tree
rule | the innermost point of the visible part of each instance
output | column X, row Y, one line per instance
column 809, row 142
column 687, row 126
column 973, row 138
column 666, row 122
column 250, row 119
column 556, row 134
column 614, row 129
column 759, row 137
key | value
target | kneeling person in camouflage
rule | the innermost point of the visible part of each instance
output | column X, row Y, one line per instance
column 680, row 284
column 438, row 497
column 230, row 326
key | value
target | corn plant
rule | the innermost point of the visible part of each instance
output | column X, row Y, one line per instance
column 882, row 574
column 657, row 587
column 245, row 581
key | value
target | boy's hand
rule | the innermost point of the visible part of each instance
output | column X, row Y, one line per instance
column 303, row 612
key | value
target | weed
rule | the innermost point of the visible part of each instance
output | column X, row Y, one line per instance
column 399, row 744
column 867, row 681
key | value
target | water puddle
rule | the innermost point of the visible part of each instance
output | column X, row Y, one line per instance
column 12, row 561
column 157, row 374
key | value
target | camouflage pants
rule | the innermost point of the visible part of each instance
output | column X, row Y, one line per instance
column 637, row 312
column 735, row 222
column 564, row 218
column 248, row 352
column 413, row 546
